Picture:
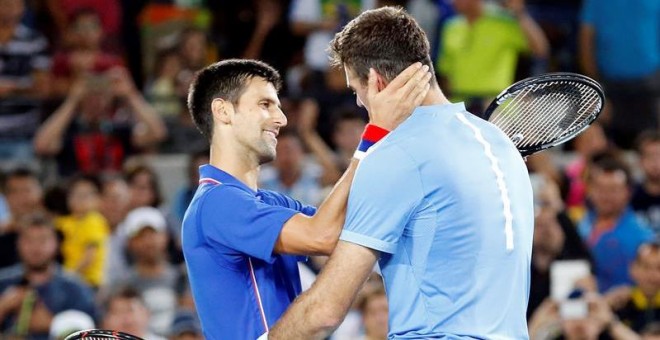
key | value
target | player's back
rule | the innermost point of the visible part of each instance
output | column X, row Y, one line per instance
column 461, row 267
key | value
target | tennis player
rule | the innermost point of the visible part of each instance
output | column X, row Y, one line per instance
column 443, row 204
column 235, row 236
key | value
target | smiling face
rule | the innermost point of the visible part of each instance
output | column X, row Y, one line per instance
column 256, row 120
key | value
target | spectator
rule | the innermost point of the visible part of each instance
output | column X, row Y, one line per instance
column 291, row 173
column 480, row 49
column 599, row 323
column 115, row 198
column 125, row 311
column 587, row 144
column 646, row 196
column 643, row 301
column 319, row 22
column 145, row 191
column 193, row 53
column 144, row 187
column 32, row 292
column 24, row 193
column 24, row 65
column 374, row 314
column 86, row 136
column 346, row 133
column 184, row 195
column 163, row 92
column 555, row 238
column 620, row 46
column 151, row 274
column 85, row 231
column 610, row 229
column 185, row 326
column 85, row 55
column 256, row 29
column 109, row 12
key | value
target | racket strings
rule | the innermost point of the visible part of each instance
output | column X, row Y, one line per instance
column 545, row 112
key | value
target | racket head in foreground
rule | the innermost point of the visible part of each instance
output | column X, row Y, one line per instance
column 92, row 334
column 545, row 111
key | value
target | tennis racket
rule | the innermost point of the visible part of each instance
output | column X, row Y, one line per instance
column 545, row 111
column 92, row 334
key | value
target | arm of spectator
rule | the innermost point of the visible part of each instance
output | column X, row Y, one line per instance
column 320, row 310
column 10, row 301
column 618, row 297
column 587, row 48
column 268, row 15
column 545, row 320
column 309, row 112
column 49, row 137
column 536, row 39
column 149, row 128
column 41, row 318
column 602, row 312
column 91, row 251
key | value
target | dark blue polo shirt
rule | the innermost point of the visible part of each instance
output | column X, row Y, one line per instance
column 239, row 285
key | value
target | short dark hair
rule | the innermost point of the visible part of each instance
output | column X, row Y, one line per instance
column 387, row 39
column 132, row 172
column 36, row 220
column 646, row 137
column 19, row 172
column 610, row 162
column 88, row 178
column 228, row 80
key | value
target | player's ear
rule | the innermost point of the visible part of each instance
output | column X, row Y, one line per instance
column 381, row 83
column 222, row 110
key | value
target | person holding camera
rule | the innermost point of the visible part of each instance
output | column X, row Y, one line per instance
column 102, row 121
column 557, row 320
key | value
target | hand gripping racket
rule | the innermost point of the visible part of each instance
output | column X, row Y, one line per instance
column 545, row 111
column 92, row 334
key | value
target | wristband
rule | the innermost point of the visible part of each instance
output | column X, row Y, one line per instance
column 371, row 135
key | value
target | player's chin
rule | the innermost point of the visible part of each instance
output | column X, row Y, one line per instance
column 267, row 155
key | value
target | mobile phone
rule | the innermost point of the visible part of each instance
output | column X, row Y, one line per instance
column 573, row 309
column 563, row 276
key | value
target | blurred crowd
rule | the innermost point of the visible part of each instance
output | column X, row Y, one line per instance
column 93, row 91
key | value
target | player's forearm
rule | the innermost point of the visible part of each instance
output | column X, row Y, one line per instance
column 321, row 309
column 329, row 219
column 536, row 39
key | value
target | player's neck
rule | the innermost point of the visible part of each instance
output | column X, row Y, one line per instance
column 435, row 97
column 236, row 164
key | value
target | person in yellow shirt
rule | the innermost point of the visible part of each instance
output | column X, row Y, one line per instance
column 480, row 48
column 85, row 231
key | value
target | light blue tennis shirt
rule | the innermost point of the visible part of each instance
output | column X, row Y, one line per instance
column 446, row 199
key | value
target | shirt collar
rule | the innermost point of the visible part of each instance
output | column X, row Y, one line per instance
column 440, row 108
column 213, row 174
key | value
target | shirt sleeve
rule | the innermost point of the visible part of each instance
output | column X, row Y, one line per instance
column 235, row 219
column 291, row 203
column 384, row 195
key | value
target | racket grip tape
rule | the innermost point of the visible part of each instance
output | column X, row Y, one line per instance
column 371, row 135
